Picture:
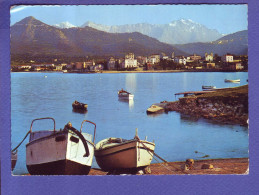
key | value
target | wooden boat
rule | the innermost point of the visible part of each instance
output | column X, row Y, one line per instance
column 13, row 159
column 122, row 94
column 79, row 106
column 232, row 81
column 116, row 154
column 208, row 87
column 64, row 152
column 155, row 109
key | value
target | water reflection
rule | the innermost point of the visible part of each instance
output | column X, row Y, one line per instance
column 79, row 111
column 188, row 119
column 131, row 82
column 130, row 102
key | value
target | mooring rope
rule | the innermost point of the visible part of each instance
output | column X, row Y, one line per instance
column 21, row 141
column 177, row 169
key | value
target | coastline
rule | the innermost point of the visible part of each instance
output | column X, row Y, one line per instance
column 133, row 71
column 220, row 167
column 228, row 106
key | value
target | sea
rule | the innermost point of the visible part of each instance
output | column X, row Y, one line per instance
column 177, row 137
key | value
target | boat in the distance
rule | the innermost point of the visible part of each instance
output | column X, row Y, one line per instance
column 155, row 109
column 122, row 94
column 116, row 154
column 79, row 106
column 64, row 152
column 232, row 81
column 208, row 87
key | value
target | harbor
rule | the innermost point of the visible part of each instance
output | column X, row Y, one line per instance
column 119, row 118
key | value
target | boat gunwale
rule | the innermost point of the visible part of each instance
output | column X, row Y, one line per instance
column 123, row 143
column 54, row 134
column 122, row 150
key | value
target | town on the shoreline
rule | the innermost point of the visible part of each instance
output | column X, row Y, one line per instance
column 154, row 62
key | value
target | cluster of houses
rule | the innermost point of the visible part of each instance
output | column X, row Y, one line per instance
column 145, row 62
column 190, row 62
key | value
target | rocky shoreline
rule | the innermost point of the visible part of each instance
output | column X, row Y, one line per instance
column 229, row 106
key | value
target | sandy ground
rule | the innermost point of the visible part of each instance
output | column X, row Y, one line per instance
column 220, row 166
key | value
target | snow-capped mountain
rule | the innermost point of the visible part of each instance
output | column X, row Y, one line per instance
column 177, row 32
column 64, row 25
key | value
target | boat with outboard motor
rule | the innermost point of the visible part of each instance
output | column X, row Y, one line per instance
column 64, row 152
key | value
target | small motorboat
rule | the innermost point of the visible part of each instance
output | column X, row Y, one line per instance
column 122, row 94
column 116, row 154
column 79, row 106
column 13, row 159
column 155, row 109
column 208, row 87
column 64, row 152
column 232, row 81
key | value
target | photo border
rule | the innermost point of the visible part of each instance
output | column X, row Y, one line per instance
column 147, row 184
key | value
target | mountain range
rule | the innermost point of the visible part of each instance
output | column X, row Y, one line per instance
column 33, row 37
column 177, row 32
column 236, row 43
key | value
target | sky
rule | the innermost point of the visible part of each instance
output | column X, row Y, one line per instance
column 224, row 18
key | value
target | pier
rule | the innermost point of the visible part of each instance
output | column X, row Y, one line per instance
column 188, row 93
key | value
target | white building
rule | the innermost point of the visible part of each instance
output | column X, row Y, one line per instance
column 227, row 58
column 180, row 60
column 209, row 57
column 129, row 61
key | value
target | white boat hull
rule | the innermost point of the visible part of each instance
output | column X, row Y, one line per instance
column 60, row 153
column 126, row 96
column 124, row 156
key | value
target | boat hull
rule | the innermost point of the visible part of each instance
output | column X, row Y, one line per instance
column 60, row 153
column 232, row 81
column 60, row 167
column 13, row 159
column 126, row 96
column 131, row 155
column 80, row 106
column 155, row 110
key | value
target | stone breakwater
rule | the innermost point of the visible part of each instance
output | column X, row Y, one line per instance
column 230, row 110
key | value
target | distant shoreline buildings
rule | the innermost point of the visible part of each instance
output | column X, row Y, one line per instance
column 161, row 61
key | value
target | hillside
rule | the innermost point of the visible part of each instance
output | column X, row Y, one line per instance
column 33, row 37
column 236, row 43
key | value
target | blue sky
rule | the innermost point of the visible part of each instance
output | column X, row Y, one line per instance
column 224, row 18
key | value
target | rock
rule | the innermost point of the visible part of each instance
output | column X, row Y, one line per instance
column 207, row 166
column 147, row 170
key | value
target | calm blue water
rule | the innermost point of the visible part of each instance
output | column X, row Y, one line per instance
column 177, row 137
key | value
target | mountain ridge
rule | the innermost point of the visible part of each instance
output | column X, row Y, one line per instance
column 235, row 43
column 33, row 37
column 176, row 32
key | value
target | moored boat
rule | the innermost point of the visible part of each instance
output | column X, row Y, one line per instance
column 79, row 106
column 208, row 87
column 64, row 152
column 13, row 159
column 116, row 154
column 232, row 81
column 122, row 94
column 155, row 109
